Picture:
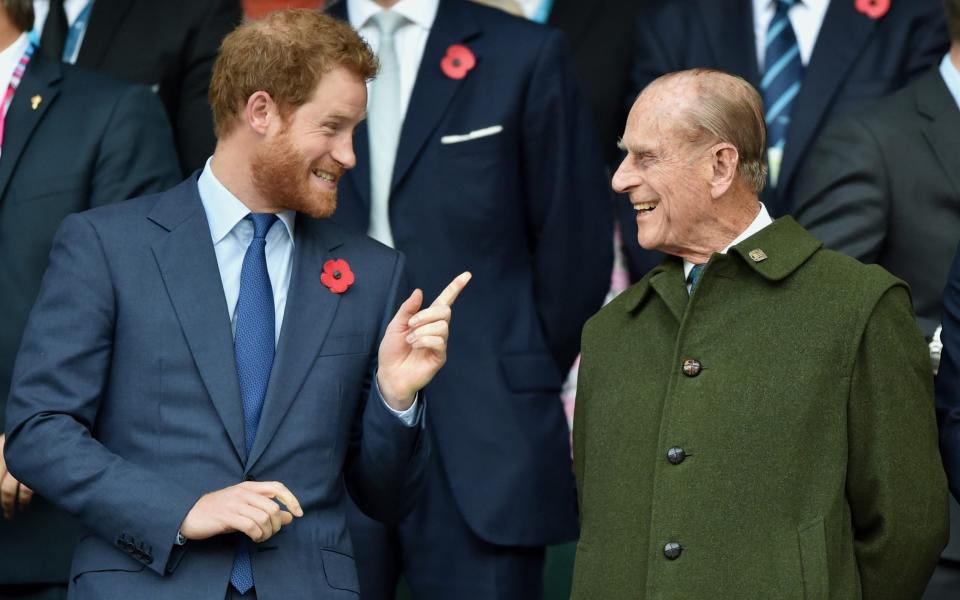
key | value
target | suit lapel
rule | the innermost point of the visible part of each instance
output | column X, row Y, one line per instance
column 840, row 41
column 40, row 79
column 105, row 19
column 671, row 287
column 433, row 90
column 729, row 27
column 310, row 311
column 189, row 268
column 936, row 103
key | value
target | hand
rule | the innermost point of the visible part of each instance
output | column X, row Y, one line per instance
column 14, row 496
column 247, row 507
column 414, row 346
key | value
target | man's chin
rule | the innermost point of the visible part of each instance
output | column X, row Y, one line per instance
column 321, row 209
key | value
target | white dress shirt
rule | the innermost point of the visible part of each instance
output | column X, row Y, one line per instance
column 806, row 17
column 232, row 233
column 410, row 38
column 951, row 77
column 73, row 8
column 9, row 59
column 759, row 222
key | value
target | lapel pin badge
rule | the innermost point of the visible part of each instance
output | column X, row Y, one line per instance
column 757, row 255
column 875, row 9
column 458, row 61
column 337, row 276
column 35, row 101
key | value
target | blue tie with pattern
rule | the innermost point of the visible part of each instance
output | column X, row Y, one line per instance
column 254, row 346
column 782, row 78
column 694, row 276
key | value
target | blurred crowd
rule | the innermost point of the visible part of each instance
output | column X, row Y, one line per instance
column 491, row 137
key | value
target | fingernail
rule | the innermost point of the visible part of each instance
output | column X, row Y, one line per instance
column 414, row 321
column 411, row 338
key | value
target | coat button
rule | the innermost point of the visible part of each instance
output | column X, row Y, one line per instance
column 676, row 455
column 672, row 550
column 691, row 367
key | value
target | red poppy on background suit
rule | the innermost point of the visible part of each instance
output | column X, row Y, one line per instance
column 874, row 9
column 458, row 61
column 337, row 275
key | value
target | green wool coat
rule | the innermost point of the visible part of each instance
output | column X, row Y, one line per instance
column 810, row 467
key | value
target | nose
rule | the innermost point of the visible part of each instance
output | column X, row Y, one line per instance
column 623, row 179
column 343, row 153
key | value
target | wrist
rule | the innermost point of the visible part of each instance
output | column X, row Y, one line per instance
column 396, row 399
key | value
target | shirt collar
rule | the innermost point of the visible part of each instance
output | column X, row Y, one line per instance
column 10, row 57
column 224, row 210
column 759, row 222
column 951, row 76
column 421, row 12
column 817, row 6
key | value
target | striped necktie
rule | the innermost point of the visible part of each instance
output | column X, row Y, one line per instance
column 694, row 277
column 780, row 85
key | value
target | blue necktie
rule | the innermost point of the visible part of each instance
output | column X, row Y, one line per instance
column 254, row 346
column 694, row 276
column 782, row 78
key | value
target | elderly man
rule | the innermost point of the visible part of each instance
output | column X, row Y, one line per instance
column 755, row 417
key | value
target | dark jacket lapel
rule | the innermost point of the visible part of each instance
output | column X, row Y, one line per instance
column 189, row 268
column 433, row 90
column 935, row 102
column 575, row 17
column 309, row 313
column 729, row 27
column 105, row 19
column 842, row 36
column 41, row 79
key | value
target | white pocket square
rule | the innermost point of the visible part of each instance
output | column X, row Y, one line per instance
column 466, row 137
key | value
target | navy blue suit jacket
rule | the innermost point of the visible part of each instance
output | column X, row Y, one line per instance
column 948, row 380
column 528, row 212
column 855, row 59
column 89, row 141
column 125, row 406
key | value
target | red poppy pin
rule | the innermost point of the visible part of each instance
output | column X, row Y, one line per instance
column 337, row 276
column 458, row 62
column 875, row 9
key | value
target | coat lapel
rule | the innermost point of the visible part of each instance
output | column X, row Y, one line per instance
column 40, row 79
column 310, row 311
column 842, row 36
column 189, row 268
column 729, row 27
column 935, row 102
column 575, row 17
column 105, row 19
column 433, row 90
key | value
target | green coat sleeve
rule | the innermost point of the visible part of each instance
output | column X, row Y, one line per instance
column 896, row 485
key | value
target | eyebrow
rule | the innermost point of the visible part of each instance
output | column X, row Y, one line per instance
column 635, row 149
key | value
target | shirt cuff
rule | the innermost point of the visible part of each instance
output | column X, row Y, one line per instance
column 410, row 417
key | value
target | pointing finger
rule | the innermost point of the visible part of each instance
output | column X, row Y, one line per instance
column 450, row 293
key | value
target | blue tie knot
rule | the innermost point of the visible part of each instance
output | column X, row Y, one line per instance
column 262, row 222
column 785, row 4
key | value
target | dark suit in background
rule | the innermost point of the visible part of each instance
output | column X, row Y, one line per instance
column 600, row 34
column 883, row 185
column 169, row 46
column 855, row 59
column 90, row 141
column 527, row 212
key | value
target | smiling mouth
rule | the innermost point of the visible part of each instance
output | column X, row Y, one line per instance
column 646, row 207
column 324, row 175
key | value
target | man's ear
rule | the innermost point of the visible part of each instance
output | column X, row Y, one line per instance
column 726, row 159
column 260, row 112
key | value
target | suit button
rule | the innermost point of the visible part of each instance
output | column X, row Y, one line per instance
column 676, row 455
column 672, row 550
column 691, row 367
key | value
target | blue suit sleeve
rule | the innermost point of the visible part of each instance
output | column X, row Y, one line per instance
column 58, row 385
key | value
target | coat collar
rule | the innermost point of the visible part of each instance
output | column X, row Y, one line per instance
column 785, row 247
column 935, row 103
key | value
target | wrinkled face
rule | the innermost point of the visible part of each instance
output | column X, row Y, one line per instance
column 305, row 155
column 664, row 175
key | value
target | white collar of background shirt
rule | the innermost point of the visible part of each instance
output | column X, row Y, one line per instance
column 759, row 222
column 9, row 59
column 806, row 17
column 419, row 12
column 951, row 77
column 224, row 210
